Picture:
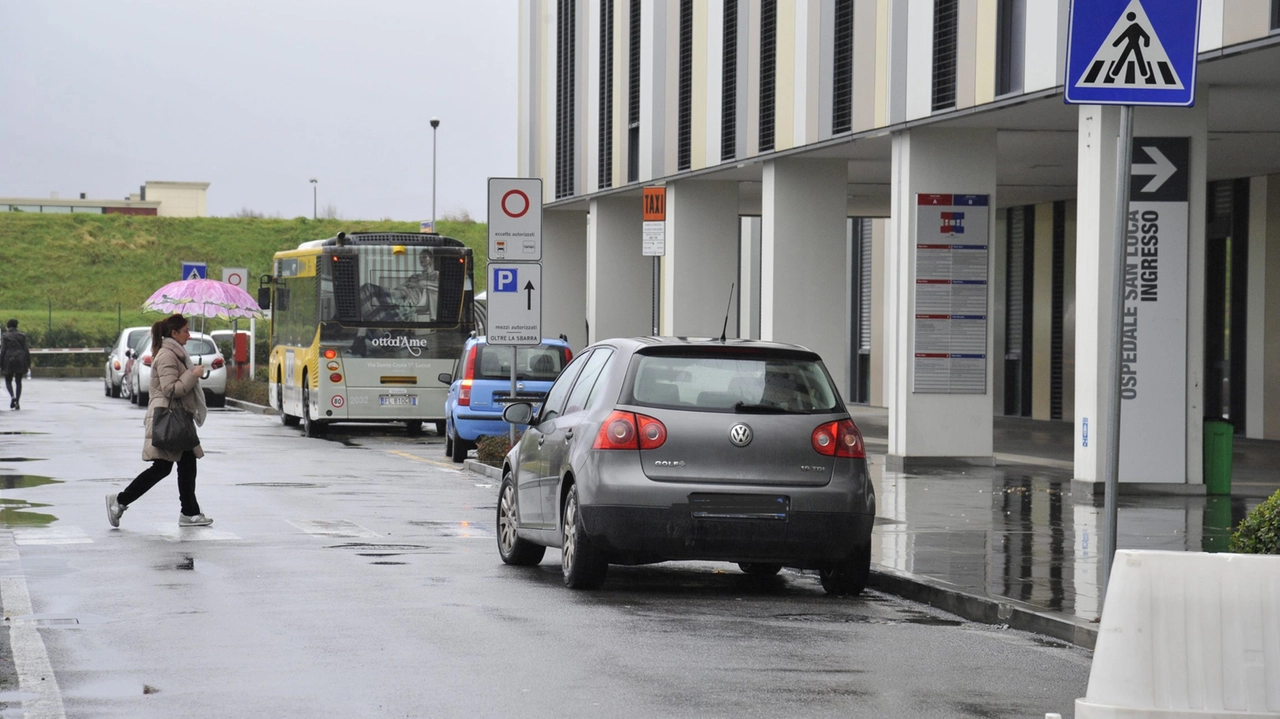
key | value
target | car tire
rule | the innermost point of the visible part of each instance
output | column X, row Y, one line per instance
column 440, row 427
column 413, row 427
column 514, row 550
column 448, row 446
column 849, row 576
column 115, row 392
column 459, row 447
column 216, row 400
column 286, row 419
column 583, row 565
column 311, row 427
column 143, row 398
column 760, row 569
column 106, row 386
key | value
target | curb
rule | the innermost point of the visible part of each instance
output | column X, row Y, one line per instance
column 942, row 595
column 251, row 407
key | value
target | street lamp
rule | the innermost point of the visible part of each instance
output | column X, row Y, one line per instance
column 435, row 122
column 313, row 197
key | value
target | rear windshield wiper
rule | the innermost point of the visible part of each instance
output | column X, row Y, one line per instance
column 744, row 408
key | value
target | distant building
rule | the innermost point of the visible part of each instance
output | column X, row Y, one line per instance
column 165, row 199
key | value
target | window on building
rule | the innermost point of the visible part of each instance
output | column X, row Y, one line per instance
column 768, row 67
column 729, row 83
column 945, row 18
column 1011, row 23
column 842, row 69
column 633, row 93
column 605, row 164
column 565, row 52
column 1017, row 334
column 1275, row 14
column 684, row 111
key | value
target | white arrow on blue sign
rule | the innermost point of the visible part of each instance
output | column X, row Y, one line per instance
column 514, row 304
column 1121, row 52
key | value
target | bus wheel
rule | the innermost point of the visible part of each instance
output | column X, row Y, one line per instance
column 311, row 427
column 286, row 419
column 413, row 427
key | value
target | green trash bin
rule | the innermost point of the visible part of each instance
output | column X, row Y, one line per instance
column 1217, row 456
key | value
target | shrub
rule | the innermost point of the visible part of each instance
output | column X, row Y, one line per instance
column 253, row 391
column 491, row 448
column 1259, row 533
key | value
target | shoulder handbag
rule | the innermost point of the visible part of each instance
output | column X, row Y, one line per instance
column 173, row 429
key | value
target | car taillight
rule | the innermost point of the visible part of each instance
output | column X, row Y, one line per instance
column 839, row 439
column 146, row 360
column 468, row 375
column 568, row 355
column 116, row 365
column 217, row 363
column 619, row 431
column 330, row 353
column 652, row 432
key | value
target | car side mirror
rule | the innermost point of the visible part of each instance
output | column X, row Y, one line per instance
column 518, row 413
column 128, row 354
column 445, row 378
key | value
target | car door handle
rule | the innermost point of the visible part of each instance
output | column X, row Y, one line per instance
column 541, row 438
column 568, row 436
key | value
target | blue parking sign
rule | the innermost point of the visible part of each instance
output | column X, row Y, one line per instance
column 1121, row 52
column 505, row 279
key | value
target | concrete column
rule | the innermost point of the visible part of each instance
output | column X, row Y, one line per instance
column 702, row 259
column 931, row 428
column 1255, row 360
column 619, row 278
column 564, row 276
column 1095, row 235
column 1271, row 320
column 804, row 261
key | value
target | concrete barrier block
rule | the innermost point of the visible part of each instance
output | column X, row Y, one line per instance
column 1187, row 634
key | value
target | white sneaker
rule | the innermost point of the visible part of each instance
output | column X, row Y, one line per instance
column 195, row 520
column 114, row 510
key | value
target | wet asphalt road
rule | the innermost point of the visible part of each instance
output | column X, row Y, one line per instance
column 356, row 576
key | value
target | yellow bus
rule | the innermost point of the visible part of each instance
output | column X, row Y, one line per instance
column 363, row 324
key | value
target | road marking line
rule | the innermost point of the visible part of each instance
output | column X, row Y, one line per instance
column 333, row 528
column 51, row 535
column 192, row 534
column 30, row 657
column 443, row 465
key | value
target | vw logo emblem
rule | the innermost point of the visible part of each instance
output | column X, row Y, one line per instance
column 520, row 386
column 740, row 435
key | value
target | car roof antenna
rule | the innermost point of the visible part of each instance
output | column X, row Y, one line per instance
column 725, row 329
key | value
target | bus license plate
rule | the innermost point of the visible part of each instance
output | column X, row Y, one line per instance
column 409, row 399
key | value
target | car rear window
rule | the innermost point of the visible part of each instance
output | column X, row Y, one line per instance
column 733, row 383
column 200, row 347
column 541, row 363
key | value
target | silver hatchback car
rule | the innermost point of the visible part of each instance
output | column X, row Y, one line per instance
column 658, row 448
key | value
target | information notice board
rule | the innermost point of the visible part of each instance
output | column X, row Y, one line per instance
column 950, row 329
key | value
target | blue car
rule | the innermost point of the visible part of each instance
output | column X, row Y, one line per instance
column 480, row 388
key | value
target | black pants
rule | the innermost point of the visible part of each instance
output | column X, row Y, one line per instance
column 160, row 469
column 9, row 380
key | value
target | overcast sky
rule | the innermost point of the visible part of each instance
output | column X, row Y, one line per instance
column 259, row 96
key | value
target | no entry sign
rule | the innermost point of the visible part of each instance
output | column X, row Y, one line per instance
column 515, row 219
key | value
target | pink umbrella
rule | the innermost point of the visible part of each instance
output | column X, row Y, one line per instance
column 203, row 298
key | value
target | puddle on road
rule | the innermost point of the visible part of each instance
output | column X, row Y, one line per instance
column 365, row 546
column 21, row 459
column 185, row 563
column 21, row 431
column 13, row 513
column 22, row 481
column 283, row 485
column 388, row 563
column 457, row 530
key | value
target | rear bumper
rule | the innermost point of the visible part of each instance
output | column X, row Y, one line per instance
column 471, row 426
column 649, row 534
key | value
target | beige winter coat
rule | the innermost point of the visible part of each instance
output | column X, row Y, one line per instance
column 171, row 371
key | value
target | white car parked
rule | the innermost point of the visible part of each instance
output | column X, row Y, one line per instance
column 113, row 374
column 202, row 350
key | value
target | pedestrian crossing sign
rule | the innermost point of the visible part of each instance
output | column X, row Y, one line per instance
column 1120, row 52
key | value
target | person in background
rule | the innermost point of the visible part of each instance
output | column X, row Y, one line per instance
column 172, row 372
column 15, row 361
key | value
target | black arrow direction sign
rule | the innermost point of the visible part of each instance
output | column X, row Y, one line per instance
column 528, row 288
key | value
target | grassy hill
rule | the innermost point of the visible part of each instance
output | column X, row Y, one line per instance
column 74, row 279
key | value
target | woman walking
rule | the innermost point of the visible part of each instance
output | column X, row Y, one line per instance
column 173, row 379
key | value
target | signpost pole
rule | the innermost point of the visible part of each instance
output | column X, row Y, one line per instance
column 655, row 297
column 1124, row 155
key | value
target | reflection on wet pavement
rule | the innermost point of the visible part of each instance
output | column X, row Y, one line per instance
column 1016, row 532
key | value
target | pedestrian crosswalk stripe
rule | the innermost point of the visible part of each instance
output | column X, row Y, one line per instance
column 333, row 528
column 1132, row 56
column 51, row 535
column 175, row 533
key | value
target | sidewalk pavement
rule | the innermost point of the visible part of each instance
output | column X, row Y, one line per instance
column 1012, row 544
